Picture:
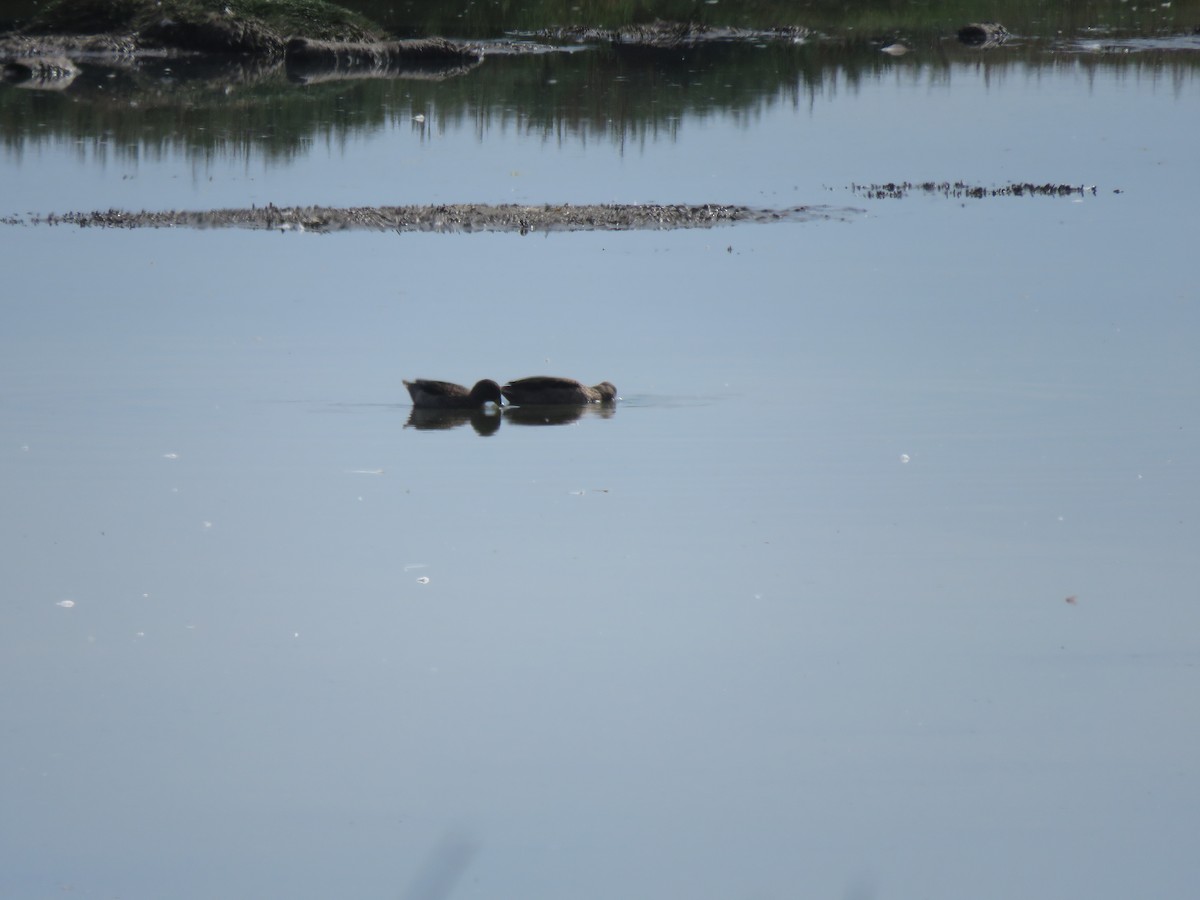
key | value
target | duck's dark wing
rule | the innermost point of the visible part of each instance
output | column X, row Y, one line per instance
column 437, row 388
column 544, row 383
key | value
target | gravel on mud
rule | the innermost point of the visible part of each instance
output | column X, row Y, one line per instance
column 458, row 217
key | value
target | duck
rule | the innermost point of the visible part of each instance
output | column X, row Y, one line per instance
column 547, row 390
column 447, row 395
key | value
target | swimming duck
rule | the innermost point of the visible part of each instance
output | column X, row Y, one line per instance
column 446, row 395
column 546, row 390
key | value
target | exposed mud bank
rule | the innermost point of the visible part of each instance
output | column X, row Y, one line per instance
column 670, row 34
column 449, row 218
column 468, row 217
column 897, row 190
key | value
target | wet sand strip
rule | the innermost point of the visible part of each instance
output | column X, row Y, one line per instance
column 457, row 217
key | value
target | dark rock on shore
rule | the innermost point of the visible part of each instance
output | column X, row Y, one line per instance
column 45, row 72
column 983, row 34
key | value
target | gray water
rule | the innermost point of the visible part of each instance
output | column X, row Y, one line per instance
column 879, row 582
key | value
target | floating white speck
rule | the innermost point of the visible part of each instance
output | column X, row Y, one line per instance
column 418, row 118
column 416, row 566
column 207, row 524
column 424, row 579
column 24, row 448
column 170, row 456
column 365, row 471
column 65, row 604
column 295, row 634
column 904, row 457
column 139, row 634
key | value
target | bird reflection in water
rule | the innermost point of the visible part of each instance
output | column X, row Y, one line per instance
column 485, row 421
column 555, row 415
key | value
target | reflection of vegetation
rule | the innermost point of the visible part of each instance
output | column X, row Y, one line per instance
column 232, row 105
column 625, row 95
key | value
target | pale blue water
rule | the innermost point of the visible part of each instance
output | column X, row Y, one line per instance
column 792, row 622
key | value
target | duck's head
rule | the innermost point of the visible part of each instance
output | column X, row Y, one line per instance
column 485, row 391
column 607, row 391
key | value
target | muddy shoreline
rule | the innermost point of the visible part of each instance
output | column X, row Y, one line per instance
column 511, row 217
column 449, row 218
column 893, row 190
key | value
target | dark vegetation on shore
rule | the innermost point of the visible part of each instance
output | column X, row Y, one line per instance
column 228, row 26
column 274, row 21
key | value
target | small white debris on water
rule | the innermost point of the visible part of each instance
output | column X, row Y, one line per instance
column 365, row 471
column 424, row 579
column 295, row 634
column 418, row 118
column 207, row 524
column 24, row 448
column 66, row 604
column 904, row 457
column 416, row 566
column 139, row 634
column 170, row 456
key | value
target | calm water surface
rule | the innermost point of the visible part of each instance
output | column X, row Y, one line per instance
column 879, row 582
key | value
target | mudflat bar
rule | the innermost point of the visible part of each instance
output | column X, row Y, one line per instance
column 457, row 217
